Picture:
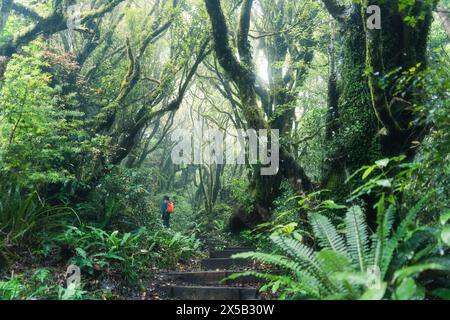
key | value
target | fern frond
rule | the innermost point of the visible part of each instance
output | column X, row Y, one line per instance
column 326, row 233
column 401, row 232
column 380, row 239
column 287, row 284
column 416, row 269
column 273, row 259
column 332, row 261
column 307, row 258
column 297, row 250
column 357, row 236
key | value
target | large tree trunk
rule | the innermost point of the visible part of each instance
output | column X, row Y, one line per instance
column 354, row 142
column 396, row 45
column 373, row 122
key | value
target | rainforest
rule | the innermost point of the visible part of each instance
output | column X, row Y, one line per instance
column 224, row 150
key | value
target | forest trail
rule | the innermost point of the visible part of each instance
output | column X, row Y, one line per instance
column 207, row 284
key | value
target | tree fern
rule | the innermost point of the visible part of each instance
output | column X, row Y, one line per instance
column 357, row 236
column 326, row 233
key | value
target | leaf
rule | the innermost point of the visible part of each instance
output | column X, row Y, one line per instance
column 442, row 293
column 332, row 261
column 109, row 256
column 275, row 287
column 81, row 252
column 357, row 236
column 382, row 163
column 384, row 183
column 330, row 204
column 445, row 236
column 326, row 233
column 368, row 172
column 445, row 218
column 375, row 294
column 289, row 228
column 297, row 236
column 355, row 278
column 409, row 290
column 413, row 270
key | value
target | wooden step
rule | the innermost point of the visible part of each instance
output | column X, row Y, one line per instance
column 210, row 293
column 208, row 278
column 225, row 263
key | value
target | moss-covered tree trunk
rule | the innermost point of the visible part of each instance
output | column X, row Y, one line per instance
column 373, row 121
column 400, row 45
column 354, row 142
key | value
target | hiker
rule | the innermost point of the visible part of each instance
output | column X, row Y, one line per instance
column 166, row 211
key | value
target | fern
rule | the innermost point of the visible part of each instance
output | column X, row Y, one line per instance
column 380, row 239
column 302, row 284
column 332, row 261
column 307, row 258
column 272, row 259
column 326, row 233
column 297, row 250
column 401, row 232
column 357, row 237
column 339, row 270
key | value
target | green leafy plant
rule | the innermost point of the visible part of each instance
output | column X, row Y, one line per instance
column 24, row 216
column 128, row 255
column 341, row 268
column 37, row 285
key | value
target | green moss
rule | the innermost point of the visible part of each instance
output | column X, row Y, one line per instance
column 355, row 143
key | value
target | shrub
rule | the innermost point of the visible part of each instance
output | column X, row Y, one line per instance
column 344, row 269
column 128, row 257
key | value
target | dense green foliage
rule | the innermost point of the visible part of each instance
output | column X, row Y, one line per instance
column 401, row 255
column 359, row 208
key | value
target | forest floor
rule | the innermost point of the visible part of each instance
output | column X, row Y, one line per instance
column 199, row 278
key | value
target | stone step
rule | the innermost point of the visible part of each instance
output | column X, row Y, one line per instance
column 228, row 252
column 208, row 278
column 225, row 263
column 210, row 293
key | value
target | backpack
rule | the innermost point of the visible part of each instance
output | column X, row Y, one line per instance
column 170, row 207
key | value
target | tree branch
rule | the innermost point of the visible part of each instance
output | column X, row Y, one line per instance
column 222, row 45
column 55, row 22
column 27, row 12
column 244, row 28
